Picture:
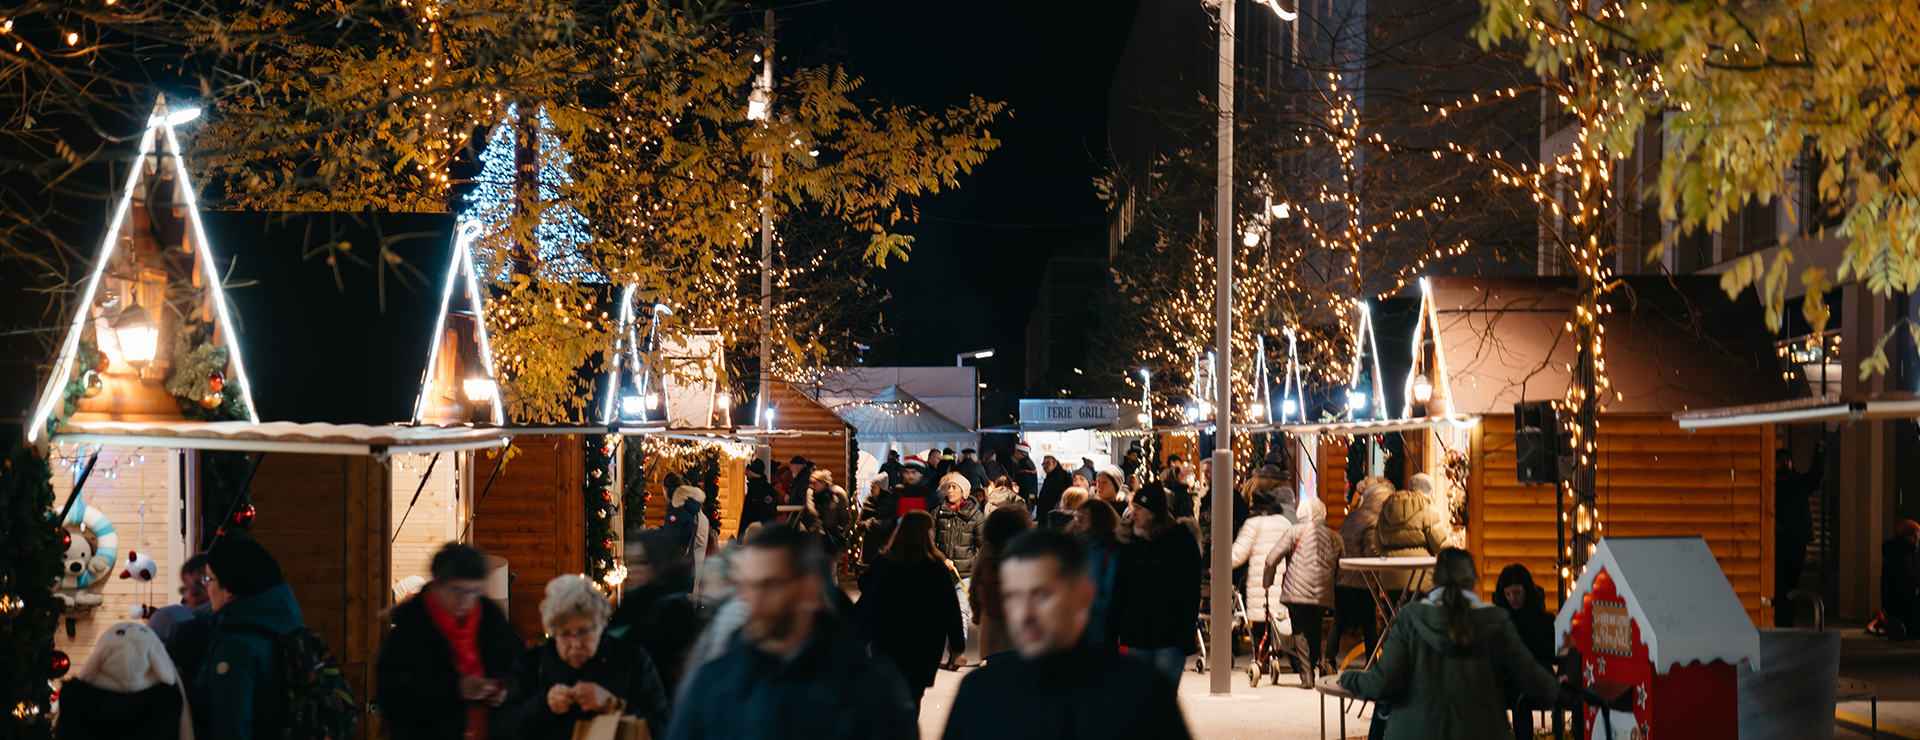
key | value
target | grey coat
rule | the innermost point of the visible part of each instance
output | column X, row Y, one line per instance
column 1312, row 552
column 1356, row 531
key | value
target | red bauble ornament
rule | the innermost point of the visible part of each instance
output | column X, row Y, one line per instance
column 66, row 537
column 244, row 516
column 216, row 381
column 606, row 495
column 60, row 664
column 608, row 544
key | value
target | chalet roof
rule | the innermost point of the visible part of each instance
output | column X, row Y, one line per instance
column 1671, row 344
column 347, row 342
column 314, row 438
column 1678, row 597
column 897, row 416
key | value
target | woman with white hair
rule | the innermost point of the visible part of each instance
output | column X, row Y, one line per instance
column 580, row 672
column 1312, row 553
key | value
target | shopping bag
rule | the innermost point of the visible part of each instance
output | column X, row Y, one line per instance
column 615, row 724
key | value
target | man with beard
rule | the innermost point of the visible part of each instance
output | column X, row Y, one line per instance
column 1060, row 685
column 795, row 669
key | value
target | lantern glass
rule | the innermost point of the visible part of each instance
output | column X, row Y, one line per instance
column 1422, row 389
column 138, row 336
column 480, row 390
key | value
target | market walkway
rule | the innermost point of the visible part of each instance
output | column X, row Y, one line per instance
column 1894, row 669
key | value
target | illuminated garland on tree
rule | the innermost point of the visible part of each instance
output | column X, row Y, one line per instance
column 634, row 463
column 562, row 236
column 30, row 555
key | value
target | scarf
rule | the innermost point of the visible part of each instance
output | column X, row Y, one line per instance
column 463, row 638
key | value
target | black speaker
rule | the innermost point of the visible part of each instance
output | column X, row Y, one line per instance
column 1536, row 439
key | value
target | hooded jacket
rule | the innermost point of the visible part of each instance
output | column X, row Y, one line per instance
column 659, row 618
column 419, row 686
column 1087, row 692
column 241, row 692
column 758, row 506
column 1313, row 553
column 128, row 690
column 998, row 497
column 1256, row 541
column 1057, row 483
column 623, row 670
column 1356, row 532
column 1439, row 693
column 1406, row 528
column 957, row 534
column 831, row 688
column 684, row 517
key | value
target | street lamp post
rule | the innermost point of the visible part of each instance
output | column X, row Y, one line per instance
column 960, row 359
column 1220, row 636
column 759, row 108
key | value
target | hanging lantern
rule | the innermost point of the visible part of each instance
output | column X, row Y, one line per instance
column 61, row 664
column 137, row 334
column 244, row 516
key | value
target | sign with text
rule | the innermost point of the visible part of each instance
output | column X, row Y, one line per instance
column 1612, row 628
column 1070, row 413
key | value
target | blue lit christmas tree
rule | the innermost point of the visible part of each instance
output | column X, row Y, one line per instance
column 561, row 239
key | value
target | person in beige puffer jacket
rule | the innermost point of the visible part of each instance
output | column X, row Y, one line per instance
column 1312, row 552
column 1408, row 527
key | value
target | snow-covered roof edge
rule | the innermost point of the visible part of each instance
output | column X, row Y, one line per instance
column 1737, row 643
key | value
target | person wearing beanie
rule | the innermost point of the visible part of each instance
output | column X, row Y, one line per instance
column 762, row 502
column 1899, row 584
column 1156, row 594
column 241, row 691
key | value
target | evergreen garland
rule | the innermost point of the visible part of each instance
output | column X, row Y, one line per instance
column 30, row 556
column 597, row 488
column 195, row 361
column 634, row 462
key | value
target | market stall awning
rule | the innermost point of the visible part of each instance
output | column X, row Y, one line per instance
column 309, row 438
column 1370, row 426
column 897, row 416
column 1805, row 410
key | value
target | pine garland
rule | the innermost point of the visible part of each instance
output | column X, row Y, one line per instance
column 634, row 462
column 597, row 489
column 29, row 612
column 195, row 359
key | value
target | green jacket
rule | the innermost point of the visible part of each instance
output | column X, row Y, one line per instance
column 1434, row 695
column 241, row 692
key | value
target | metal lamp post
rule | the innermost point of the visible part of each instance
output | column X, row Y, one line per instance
column 1220, row 635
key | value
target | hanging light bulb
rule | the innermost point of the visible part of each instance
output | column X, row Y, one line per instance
column 137, row 334
column 1422, row 389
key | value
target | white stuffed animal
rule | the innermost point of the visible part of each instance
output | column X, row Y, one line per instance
column 129, row 658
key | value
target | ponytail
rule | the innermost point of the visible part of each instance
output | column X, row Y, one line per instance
column 1454, row 572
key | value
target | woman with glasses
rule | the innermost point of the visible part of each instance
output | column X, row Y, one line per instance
column 579, row 673
column 444, row 665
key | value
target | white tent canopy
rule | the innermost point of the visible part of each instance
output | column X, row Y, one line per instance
column 897, row 416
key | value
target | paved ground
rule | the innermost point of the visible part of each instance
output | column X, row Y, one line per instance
column 1894, row 669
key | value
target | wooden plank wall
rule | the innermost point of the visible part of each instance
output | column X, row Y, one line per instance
column 795, row 410
column 430, row 524
column 535, row 518
column 154, row 481
column 1655, row 479
column 1331, row 465
column 323, row 518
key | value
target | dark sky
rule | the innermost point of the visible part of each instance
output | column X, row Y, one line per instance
column 970, row 286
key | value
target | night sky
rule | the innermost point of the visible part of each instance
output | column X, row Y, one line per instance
column 970, row 286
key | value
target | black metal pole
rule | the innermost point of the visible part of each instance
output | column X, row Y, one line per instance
column 482, row 498
column 74, row 495
column 238, row 496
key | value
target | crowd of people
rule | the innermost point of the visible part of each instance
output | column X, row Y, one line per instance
column 1084, row 586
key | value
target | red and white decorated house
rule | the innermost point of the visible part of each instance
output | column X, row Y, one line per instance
column 1660, row 635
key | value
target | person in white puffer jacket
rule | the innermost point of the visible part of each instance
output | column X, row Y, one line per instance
column 1257, row 539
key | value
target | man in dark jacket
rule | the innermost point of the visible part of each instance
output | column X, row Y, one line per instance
column 1057, row 482
column 990, row 465
column 444, row 665
column 795, row 670
column 1793, row 529
column 187, row 634
column 893, row 468
column 1060, row 685
column 1025, row 477
column 241, row 692
column 761, row 500
column 975, row 472
column 657, row 613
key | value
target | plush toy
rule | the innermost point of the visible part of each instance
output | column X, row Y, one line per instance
column 139, row 567
column 130, row 659
column 90, row 555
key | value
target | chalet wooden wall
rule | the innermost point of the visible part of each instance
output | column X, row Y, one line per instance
column 795, row 410
column 432, row 522
column 323, row 517
column 1655, row 479
column 535, row 518
column 156, row 481
column 1331, row 465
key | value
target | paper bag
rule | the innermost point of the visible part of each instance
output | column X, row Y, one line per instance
column 615, row 724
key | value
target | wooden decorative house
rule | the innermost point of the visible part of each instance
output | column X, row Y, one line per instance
column 1660, row 634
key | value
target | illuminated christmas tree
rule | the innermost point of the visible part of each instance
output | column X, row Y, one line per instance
column 562, row 239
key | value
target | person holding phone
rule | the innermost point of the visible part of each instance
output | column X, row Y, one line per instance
column 581, row 672
column 444, row 664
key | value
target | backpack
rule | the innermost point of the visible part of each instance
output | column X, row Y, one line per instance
column 320, row 703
